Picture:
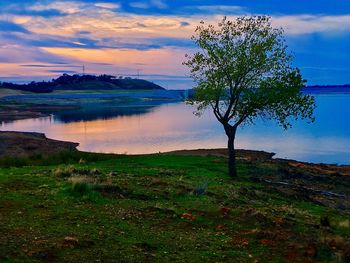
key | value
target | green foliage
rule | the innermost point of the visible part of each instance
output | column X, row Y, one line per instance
column 243, row 71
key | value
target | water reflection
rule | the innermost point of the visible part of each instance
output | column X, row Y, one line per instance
column 173, row 126
column 98, row 112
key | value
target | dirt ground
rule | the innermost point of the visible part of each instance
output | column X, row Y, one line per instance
column 19, row 144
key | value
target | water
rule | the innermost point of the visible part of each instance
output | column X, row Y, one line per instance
column 166, row 127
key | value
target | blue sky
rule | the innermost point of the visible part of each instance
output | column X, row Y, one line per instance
column 41, row 39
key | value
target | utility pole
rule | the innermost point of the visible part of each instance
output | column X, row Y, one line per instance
column 83, row 69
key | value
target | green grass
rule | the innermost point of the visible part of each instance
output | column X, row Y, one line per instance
column 82, row 207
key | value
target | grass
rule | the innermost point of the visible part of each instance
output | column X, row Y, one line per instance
column 57, row 159
column 92, row 207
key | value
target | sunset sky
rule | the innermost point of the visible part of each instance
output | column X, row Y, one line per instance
column 43, row 39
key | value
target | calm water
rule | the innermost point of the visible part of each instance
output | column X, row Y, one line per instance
column 169, row 127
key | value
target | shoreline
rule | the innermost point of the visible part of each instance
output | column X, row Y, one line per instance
column 22, row 111
column 23, row 144
column 18, row 106
column 266, row 157
column 15, row 115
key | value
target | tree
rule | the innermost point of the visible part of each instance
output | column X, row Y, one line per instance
column 243, row 71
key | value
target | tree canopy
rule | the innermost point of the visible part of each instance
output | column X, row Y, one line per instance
column 243, row 71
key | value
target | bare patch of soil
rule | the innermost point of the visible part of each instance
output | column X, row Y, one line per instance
column 21, row 144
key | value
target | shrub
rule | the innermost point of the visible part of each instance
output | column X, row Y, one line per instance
column 70, row 171
column 9, row 161
column 64, row 172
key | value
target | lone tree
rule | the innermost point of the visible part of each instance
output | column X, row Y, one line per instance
column 243, row 71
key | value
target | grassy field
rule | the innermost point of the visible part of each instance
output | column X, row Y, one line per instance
column 158, row 208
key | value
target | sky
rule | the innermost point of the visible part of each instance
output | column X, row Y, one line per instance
column 41, row 39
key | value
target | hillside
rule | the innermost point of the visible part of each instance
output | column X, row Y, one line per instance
column 83, row 82
column 326, row 89
column 345, row 86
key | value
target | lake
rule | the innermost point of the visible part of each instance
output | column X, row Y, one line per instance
column 172, row 126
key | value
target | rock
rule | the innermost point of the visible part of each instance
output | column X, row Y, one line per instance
column 70, row 241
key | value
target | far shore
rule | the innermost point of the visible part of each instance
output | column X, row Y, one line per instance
column 22, row 111
column 20, row 105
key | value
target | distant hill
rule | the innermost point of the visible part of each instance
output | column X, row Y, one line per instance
column 345, row 86
column 83, row 82
column 327, row 89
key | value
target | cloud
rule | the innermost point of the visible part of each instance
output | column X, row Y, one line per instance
column 184, row 23
column 308, row 24
column 6, row 26
column 174, row 42
column 154, row 60
column 52, row 65
column 220, row 9
column 141, row 25
column 63, row 71
column 65, row 7
column 35, row 32
column 159, row 4
column 44, row 40
column 102, row 64
column 141, row 5
column 151, row 4
column 41, row 40
column 108, row 5
column 21, row 11
column 79, row 43
column 24, row 54
column 161, row 76
column 83, row 33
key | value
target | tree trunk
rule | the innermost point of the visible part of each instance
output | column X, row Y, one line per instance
column 231, row 134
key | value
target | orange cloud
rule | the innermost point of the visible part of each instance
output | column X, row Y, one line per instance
column 160, row 61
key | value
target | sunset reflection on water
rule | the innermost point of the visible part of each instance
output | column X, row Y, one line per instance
column 173, row 127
